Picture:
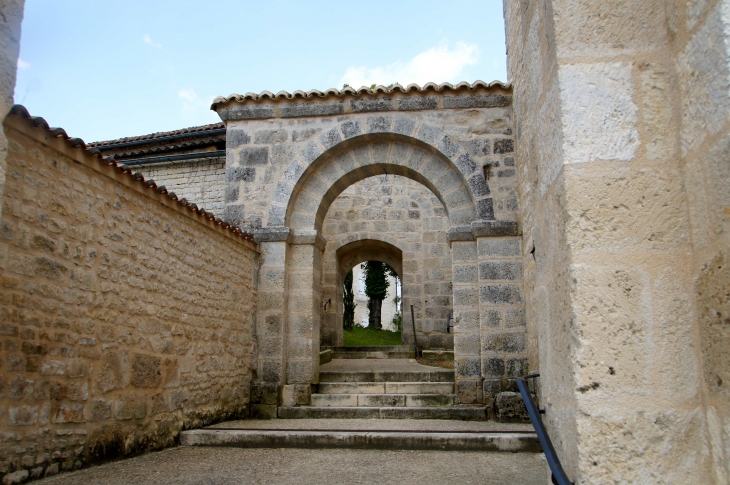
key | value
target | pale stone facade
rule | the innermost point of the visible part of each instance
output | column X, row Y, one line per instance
column 621, row 115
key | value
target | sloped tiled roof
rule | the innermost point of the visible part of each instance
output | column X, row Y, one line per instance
column 162, row 134
column 112, row 164
column 363, row 91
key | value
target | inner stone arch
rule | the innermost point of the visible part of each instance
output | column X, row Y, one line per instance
column 400, row 222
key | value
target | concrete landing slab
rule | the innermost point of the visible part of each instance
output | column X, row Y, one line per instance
column 412, row 425
column 367, row 434
column 235, row 466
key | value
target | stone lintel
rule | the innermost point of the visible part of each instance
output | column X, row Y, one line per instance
column 272, row 234
column 459, row 233
column 310, row 237
column 495, row 228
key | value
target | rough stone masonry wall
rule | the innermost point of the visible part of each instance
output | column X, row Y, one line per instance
column 701, row 47
column 199, row 181
column 604, row 205
column 407, row 215
column 123, row 318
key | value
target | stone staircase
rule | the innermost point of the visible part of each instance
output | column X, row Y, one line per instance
column 384, row 387
column 384, row 402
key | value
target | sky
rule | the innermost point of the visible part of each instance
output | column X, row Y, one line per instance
column 104, row 70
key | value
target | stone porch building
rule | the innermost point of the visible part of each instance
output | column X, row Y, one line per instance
column 575, row 221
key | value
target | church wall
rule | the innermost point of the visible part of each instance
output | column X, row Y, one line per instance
column 700, row 31
column 124, row 316
column 605, row 206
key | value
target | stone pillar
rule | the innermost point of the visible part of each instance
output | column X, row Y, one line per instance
column 304, row 317
column 467, row 343
column 501, row 314
column 271, row 315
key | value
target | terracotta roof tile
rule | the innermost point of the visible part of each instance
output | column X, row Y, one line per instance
column 114, row 165
column 152, row 136
column 363, row 91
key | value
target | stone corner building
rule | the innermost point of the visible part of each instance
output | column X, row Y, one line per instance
column 573, row 222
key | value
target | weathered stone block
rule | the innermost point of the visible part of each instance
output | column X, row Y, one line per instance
column 428, row 134
column 146, row 370
column 493, row 368
column 418, row 102
column 449, row 147
column 270, row 137
column 467, row 367
column 514, row 317
column 296, row 395
column 467, row 391
column 130, row 407
column 477, row 101
column 491, row 318
column 246, row 112
column 379, row 124
column 262, row 411
column 236, row 138
column 517, row 367
column 253, row 156
column 114, row 371
column 510, row 408
column 311, row 109
column 101, row 410
column 505, row 342
column 22, row 416
column 485, row 209
column 236, row 174
column 507, row 247
column 500, row 270
column 372, row 104
column 69, row 412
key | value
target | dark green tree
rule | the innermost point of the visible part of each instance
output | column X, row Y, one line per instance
column 348, row 320
column 376, row 287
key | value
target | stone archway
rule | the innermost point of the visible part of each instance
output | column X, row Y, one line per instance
column 348, row 256
column 319, row 153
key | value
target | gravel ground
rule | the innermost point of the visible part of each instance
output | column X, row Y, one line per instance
column 229, row 466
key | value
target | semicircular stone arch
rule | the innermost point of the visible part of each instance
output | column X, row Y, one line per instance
column 355, row 150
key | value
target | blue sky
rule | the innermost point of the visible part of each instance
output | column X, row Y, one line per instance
column 103, row 69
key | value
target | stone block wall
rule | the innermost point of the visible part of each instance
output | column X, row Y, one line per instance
column 199, row 181
column 621, row 114
column 406, row 214
column 701, row 47
column 262, row 142
column 124, row 316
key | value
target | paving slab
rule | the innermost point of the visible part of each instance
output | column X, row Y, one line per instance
column 235, row 466
column 413, row 425
column 376, row 365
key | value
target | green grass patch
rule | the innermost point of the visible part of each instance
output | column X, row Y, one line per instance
column 365, row 337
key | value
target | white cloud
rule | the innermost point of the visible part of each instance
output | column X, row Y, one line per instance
column 439, row 64
column 22, row 64
column 148, row 40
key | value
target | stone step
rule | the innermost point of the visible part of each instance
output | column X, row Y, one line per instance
column 383, row 400
column 387, row 412
column 367, row 439
column 385, row 388
column 373, row 352
column 435, row 375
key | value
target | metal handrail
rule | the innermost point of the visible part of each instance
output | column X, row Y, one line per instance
column 558, row 474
